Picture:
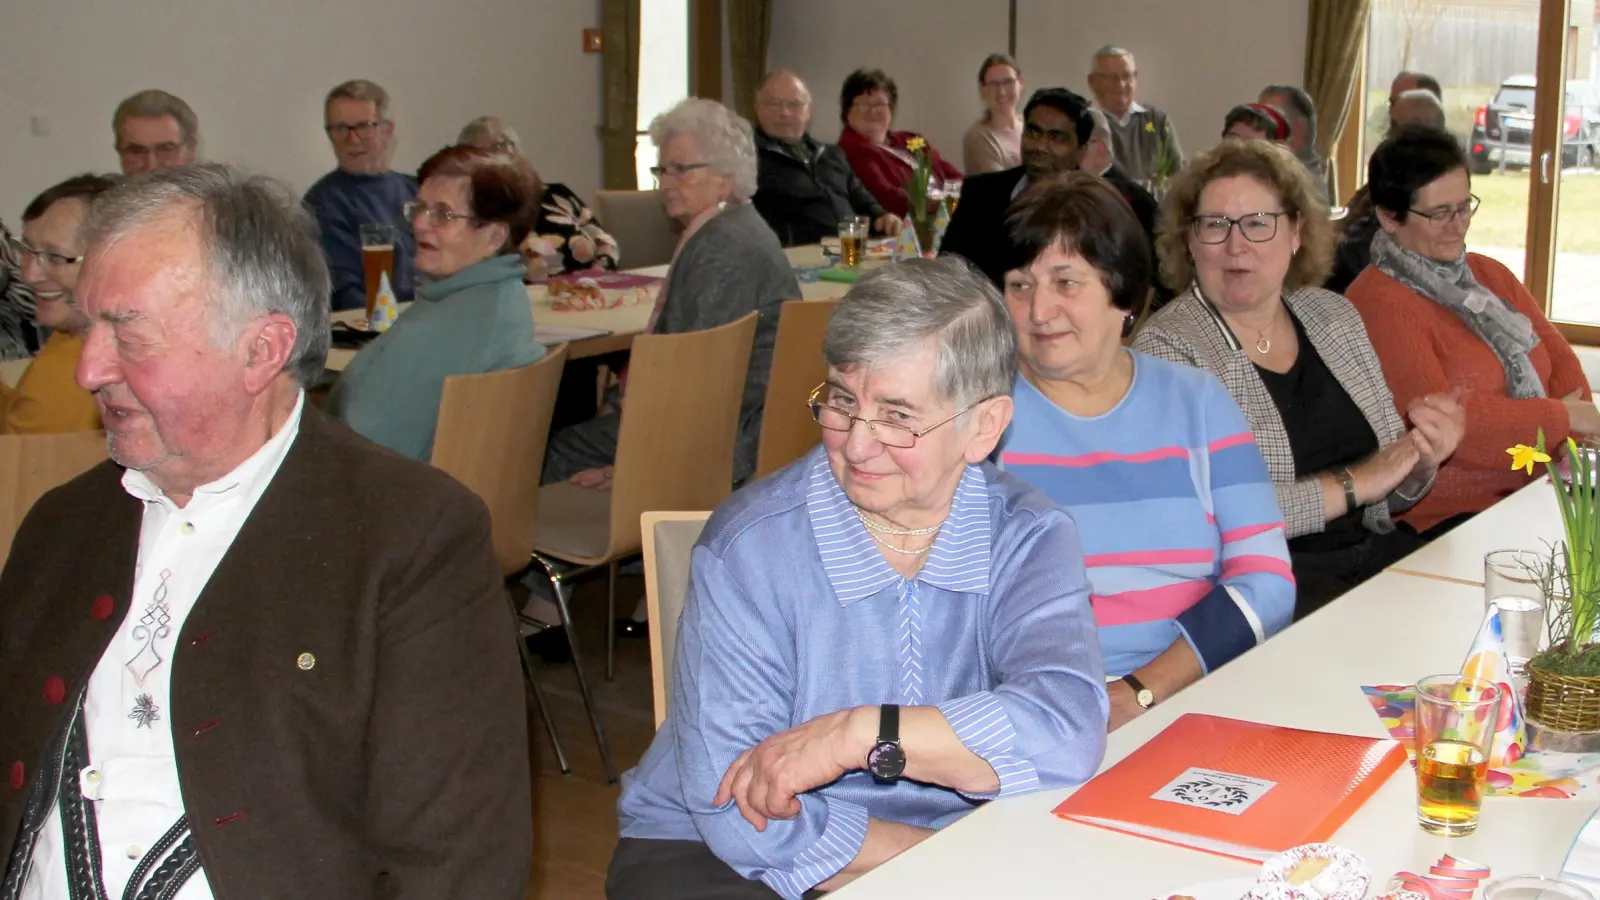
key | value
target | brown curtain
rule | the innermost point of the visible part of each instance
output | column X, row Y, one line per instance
column 1335, row 30
column 749, row 30
column 619, row 24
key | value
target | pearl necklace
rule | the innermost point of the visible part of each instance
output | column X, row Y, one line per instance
column 899, row 532
column 889, row 546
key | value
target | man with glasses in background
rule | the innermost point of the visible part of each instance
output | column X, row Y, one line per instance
column 1138, row 132
column 361, row 191
column 805, row 188
column 154, row 130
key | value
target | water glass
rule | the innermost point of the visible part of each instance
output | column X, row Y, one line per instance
column 1534, row 887
column 1456, row 720
column 1512, row 583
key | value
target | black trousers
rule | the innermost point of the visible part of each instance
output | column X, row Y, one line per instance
column 678, row 870
column 1322, row 576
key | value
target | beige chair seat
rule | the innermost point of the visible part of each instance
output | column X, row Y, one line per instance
column 574, row 523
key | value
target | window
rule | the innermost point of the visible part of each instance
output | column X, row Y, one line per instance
column 663, row 72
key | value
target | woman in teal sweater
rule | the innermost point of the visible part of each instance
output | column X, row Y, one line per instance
column 471, row 313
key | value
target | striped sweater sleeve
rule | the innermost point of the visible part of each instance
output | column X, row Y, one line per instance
column 1254, row 595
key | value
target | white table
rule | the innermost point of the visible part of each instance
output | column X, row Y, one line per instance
column 621, row 323
column 1307, row 677
column 1526, row 520
column 11, row 371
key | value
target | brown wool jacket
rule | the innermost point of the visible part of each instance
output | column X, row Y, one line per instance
column 395, row 765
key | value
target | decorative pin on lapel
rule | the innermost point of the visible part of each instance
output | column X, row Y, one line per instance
column 306, row 662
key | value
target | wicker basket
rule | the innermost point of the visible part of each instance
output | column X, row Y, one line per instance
column 1563, row 702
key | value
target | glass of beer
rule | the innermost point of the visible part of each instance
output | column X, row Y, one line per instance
column 377, row 258
column 852, row 241
column 1512, row 584
column 1456, row 720
column 952, row 194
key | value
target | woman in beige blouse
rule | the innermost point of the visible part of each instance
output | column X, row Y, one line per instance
column 994, row 142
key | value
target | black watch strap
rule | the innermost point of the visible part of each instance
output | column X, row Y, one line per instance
column 889, row 724
column 1141, row 694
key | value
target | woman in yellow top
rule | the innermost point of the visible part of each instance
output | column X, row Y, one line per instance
column 47, row 399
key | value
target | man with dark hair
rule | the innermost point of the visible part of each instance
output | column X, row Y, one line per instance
column 1301, row 111
column 1057, row 128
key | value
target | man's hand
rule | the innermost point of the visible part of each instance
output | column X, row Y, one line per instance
column 598, row 479
column 766, row 779
column 889, row 224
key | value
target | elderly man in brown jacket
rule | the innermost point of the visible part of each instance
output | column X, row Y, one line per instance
column 255, row 656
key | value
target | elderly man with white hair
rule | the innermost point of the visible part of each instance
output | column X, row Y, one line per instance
column 728, row 263
column 253, row 654
column 1143, row 138
column 877, row 638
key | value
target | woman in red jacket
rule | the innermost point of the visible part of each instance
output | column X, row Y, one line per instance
column 879, row 155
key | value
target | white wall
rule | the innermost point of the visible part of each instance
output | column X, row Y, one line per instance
column 1197, row 58
column 256, row 73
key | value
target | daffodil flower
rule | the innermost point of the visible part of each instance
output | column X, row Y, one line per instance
column 915, row 144
column 1523, row 457
column 1150, row 127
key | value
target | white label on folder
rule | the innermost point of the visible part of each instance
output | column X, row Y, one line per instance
column 1224, row 792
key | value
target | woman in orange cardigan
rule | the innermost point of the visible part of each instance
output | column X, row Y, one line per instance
column 1443, row 319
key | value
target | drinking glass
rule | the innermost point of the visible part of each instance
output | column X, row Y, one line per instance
column 1456, row 720
column 852, row 241
column 1512, row 584
column 952, row 195
column 1534, row 887
column 377, row 258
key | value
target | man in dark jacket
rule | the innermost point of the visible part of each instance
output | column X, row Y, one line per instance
column 1057, row 127
column 805, row 188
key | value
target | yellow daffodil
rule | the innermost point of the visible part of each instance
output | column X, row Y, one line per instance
column 1523, row 457
column 916, row 144
column 1150, row 127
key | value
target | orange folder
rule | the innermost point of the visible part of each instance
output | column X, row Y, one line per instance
column 1237, row 789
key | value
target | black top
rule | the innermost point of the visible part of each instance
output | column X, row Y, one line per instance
column 805, row 191
column 1326, row 430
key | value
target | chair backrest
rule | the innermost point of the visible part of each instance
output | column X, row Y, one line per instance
column 638, row 221
column 787, row 429
column 679, row 422
column 32, row 464
column 491, row 436
column 669, row 539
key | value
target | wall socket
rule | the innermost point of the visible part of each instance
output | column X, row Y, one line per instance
column 39, row 126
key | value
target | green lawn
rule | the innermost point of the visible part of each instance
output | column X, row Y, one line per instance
column 1502, row 220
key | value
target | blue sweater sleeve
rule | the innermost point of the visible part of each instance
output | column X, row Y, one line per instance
column 1254, row 595
column 341, row 244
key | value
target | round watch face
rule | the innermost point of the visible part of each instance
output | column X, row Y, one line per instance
column 1145, row 698
column 886, row 760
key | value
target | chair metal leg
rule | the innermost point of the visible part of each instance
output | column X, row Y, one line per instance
column 559, row 586
column 611, row 620
column 544, row 707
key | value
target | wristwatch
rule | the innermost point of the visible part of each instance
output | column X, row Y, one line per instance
column 1348, row 482
column 1141, row 694
column 886, row 760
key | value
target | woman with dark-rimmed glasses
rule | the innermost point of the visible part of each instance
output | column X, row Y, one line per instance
column 1443, row 319
column 1244, row 235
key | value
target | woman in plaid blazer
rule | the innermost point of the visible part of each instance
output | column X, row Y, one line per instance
column 1243, row 238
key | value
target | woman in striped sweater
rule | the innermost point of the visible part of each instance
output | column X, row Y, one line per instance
column 1182, row 536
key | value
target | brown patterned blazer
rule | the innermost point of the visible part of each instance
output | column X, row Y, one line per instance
column 396, row 765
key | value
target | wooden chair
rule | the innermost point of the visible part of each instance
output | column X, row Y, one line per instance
column 674, row 451
column 32, row 464
column 669, row 539
column 645, row 234
column 787, row 429
column 490, row 437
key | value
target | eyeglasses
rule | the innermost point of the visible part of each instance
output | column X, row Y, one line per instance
column 889, row 434
column 343, row 130
column 1448, row 214
column 1257, row 228
column 674, row 170
column 1001, row 83
column 505, row 144
column 45, row 256
column 166, row 152
column 869, row 105
column 436, row 212
column 785, row 105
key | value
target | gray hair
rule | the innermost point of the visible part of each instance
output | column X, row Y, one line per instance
column 264, row 251
column 1109, row 51
column 491, row 128
column 363, row 90
column 1299, row 105
column 153, row 104
column 892, row 312
column 724, row 139
column 1433, row 109
column 1102, row 125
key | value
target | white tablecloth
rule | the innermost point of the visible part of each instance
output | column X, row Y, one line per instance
column 1526, row 520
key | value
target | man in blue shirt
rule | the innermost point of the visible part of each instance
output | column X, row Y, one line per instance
column 361, row 191
column 877, row 638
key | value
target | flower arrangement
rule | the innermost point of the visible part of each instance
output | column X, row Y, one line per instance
column 917, row 191
column 1572, row 577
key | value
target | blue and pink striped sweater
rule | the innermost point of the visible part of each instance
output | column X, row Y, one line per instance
column 1181, row 531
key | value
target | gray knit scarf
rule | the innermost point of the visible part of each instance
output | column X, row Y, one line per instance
column 1508, row 333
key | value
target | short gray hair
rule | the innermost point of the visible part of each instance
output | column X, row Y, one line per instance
column 363, row 90
column 491, row 127
column 1425, row 97
column 153, row 104
column 893, row 311
column 1109, row 51
column 1102, row 125
column 723, row 137
column 1299, row 105
column 263, row 246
